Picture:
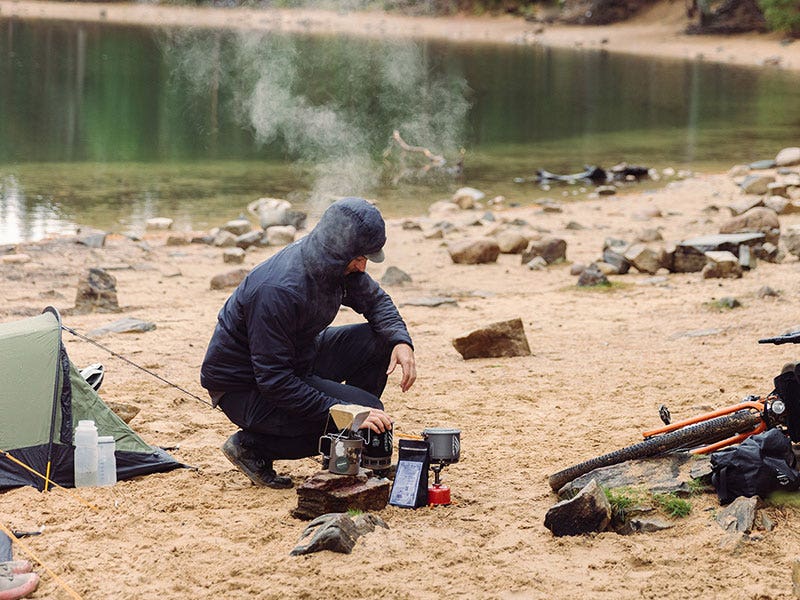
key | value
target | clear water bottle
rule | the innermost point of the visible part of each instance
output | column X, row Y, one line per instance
column 86, row 456
column 106, row 461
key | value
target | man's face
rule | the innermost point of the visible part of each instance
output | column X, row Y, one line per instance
column 357, row 265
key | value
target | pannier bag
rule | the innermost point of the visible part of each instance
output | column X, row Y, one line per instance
column 787, row 387
column 760, row 465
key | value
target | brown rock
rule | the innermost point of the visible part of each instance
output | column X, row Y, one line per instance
column 229, row 279
column 758, row 220
column 504, row 338
column 474, row 251
column 327, row 492
column 587, row 512
column 550, row 248
column 97, row 292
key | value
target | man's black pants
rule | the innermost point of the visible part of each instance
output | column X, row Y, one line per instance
column 352, row 354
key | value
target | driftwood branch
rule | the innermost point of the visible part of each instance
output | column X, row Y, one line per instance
column 436, row 160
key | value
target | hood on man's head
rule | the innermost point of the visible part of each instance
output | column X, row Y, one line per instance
column 349, row 228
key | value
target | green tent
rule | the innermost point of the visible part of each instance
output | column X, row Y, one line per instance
column 42, row 398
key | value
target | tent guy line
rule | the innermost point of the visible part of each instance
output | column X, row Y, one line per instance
column 133, row 364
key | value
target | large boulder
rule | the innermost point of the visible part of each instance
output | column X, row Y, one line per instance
column 788, row 157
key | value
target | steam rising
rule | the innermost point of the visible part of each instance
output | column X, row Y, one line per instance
column 331, row 103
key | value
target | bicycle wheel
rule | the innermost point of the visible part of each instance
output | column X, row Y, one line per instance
column 699, row 434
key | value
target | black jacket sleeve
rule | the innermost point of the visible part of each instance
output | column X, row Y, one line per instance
column 365, row 296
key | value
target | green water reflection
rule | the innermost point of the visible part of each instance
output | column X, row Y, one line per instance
column 107, row 126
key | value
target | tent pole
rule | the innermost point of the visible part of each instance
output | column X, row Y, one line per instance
column 52, row 310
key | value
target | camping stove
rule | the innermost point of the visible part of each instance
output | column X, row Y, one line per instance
column 444, row 448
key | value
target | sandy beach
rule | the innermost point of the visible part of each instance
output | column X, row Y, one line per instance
column 658, row 31
column 602, row 362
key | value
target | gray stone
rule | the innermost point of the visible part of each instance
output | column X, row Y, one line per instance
column 767, row 292
column 756, row 184
column 233, row 256
column 327, row 492
column 588, row 511
column 411, row 225
column 761, row 165
column 747, row 258
column 551, row 249
column 503, row 338
column 668, row 474
column 270, row 211
column 577, row 268
column 228, row 280
column 15, row 259
column 739, row 516
column 574, row 226
column 473, row 251
column 644, row 525
column 337, row 532
column 649, row 235
column 395, row 276
column 97, row 292
column 126, row 325
column 91, row 238
column 592, row 276
column 466, row 197
column 430, row 301
column 615, row 256
column 605, row 190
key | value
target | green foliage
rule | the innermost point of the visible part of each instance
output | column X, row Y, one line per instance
column 621, row 499
column 672, row 505
column 354, row 512
column 782, row 15
column 726, row 303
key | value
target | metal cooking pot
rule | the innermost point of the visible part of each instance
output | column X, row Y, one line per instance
column 444, row 445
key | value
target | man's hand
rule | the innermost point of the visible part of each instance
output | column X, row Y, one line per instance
column 403, row 355
column 378, row 421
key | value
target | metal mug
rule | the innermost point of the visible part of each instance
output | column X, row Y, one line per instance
column 444, row 445
column 345, row 454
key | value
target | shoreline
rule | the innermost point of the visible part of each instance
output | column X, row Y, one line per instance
column 657, row 32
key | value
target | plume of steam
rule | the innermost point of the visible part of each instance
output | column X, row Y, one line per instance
column 335, row 136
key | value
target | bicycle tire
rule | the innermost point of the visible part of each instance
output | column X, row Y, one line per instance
column 691, row 436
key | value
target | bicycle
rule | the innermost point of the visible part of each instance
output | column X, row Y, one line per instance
column 707, row 432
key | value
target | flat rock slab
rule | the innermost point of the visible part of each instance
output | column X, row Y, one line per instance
column 690, row 254
column 126, row 325
column 326, row 492
column 659, row 474
column 431, row 301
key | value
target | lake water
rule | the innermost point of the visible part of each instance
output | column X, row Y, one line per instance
column 107, row 126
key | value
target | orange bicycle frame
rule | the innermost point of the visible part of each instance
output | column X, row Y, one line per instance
column 757, row 405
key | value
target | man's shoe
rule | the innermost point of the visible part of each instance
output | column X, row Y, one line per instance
column 16, row 585
column 258, row 469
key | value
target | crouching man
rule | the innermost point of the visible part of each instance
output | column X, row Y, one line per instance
column 275, row 366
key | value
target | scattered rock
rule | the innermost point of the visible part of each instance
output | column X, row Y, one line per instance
column 605, row 190
column 577, row 268
column 251, row 238
column 689, row 256
column 743, row 205
column 91, row 238
column 474, row 251
column 395, row 276
column 756, row 184
column 228, row 280
column 761, row 165
column 281, row 235
column 756, row 220
column 588, row 511
column 97, row 292
column 158, row 223
column 739, row 516
column 15, row 259
column 337, row 532
column 537, row 264
column 224, row 239
column 466, row 197
column 791, row 240
column 788, row 157
column 551, row 249
column 511, row 242
column 431, row 301
column 270, row 211
column 767, row 292
column 503, row 338
column 649, row 235
column 126, row 412
column 722, row 265
column 233, row 256
column 644, row 258
column 592, row 276
column 177, row 240
column 237, row 226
